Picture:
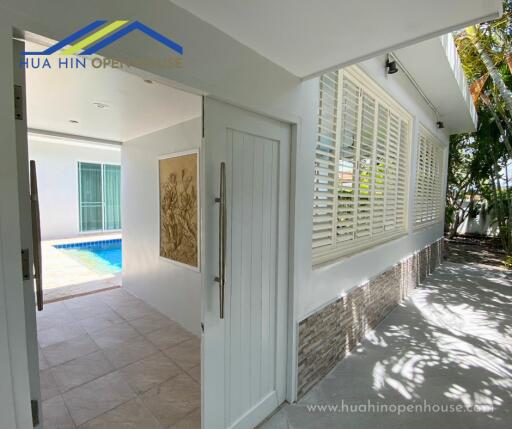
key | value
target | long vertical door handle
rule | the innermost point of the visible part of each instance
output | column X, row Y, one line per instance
column 221, row 279
column 36, row 235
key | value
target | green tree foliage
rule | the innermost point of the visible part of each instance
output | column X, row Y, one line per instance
column 478, row 161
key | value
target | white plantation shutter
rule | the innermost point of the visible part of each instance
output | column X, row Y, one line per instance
column 361, row 166
column 429, row 172
column 325, row 162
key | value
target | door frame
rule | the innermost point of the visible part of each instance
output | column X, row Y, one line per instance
column 296, row 124
column 290, row 354
column 11, row 342
column 15, row 396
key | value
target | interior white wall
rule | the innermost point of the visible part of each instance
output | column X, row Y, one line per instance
column 57, row 176
column 172, row 289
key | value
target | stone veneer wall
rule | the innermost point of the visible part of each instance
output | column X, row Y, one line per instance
column 326, row 336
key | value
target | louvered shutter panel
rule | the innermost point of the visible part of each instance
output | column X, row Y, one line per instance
column 365, row 163
column 401, row 199
column 325, row 162
column 361, row 167
column 429, row 172
column 380, row 169
column 347, row 168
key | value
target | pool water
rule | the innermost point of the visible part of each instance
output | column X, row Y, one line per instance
column 101, row 256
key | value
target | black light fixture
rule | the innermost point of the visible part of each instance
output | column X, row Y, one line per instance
column 391, row 66
column 440, row 125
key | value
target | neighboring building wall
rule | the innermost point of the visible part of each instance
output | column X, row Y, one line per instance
column 57, row 177
column 477, row 225
column 172, row 289
column 326, row 336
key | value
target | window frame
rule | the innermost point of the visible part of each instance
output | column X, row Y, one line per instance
column 102, row 165
column 336, row 250
column 441, row 150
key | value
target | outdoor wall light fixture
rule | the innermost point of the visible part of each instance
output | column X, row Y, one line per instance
column 391, row 66
column 440, row 125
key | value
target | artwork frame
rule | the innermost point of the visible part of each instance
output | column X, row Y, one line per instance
column 166, row 165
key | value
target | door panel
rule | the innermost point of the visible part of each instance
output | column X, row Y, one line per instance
column 252, row 245
column 243, row 367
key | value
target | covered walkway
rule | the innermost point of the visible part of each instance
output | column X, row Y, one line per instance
column 446, row 352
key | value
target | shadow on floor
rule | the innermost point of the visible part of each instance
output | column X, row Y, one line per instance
column 450, row 345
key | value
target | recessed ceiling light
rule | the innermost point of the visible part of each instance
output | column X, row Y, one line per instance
column 73, row 121
column 101, row 105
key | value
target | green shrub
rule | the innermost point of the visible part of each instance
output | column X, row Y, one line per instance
column 508, row 262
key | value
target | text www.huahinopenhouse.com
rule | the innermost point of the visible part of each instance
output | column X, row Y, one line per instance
column 399, row 409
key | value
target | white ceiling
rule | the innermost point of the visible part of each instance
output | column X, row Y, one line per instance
column 56, row 96
column 307, row 37
column 430, row 64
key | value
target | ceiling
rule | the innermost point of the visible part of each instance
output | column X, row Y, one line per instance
column 436, row 68
column 307, row 37
column 132, row 107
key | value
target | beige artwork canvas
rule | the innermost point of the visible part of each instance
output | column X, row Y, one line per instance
column 179, row 209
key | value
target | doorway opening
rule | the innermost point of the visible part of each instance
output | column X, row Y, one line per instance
column 117, row 167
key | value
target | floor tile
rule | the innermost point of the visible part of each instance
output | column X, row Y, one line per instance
column 43, row 363
column 97, row 397
column 130, row 415
column 173, row 400
column 53, row 319
column 186, row 354
column 57, row 308
column 151, row 323
column 130, row 311
column 130, row 351
column 149, row 372
column 94, row 324
column 49, row 387
column 195, row 373
column 114, row 335
column 92, row 309
column 69, row 350
column 167, row 337
column 117, row 296
column 192, row 421
column 58, row 334
column 56, row 415
column 82, row 370
column 86, row 301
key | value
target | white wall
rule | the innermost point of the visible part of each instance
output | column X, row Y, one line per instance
column 174, row 290
column 479, row 225
column 57, row 175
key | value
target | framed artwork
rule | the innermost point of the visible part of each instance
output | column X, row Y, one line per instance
column 179, row 208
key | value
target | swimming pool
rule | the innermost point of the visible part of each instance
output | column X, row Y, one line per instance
column 102, row 256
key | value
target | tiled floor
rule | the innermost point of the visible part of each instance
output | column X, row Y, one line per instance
column 108, row 360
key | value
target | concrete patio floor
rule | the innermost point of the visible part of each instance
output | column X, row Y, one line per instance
column 448, row 345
